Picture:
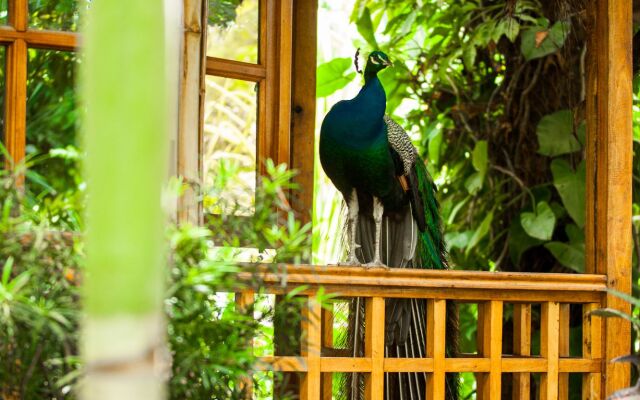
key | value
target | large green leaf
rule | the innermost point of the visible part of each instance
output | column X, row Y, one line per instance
column 569, row 255
column 435, row 144
column 480, row 157
column 539, row 41
column 519, row 241
column 458, row 239
column 333, row 76
column 539, row 224
column 511, row 28
column 555, row 134
column 571, row 186
column 481, row 232
column 365, row 28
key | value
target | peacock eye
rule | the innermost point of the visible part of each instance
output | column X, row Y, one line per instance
column 375, row 60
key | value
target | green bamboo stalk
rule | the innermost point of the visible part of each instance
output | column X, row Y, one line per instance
column 125, row 132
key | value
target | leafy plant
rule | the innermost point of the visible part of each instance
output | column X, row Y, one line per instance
column 209, row 336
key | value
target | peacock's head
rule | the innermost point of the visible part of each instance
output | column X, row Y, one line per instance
column 376, row 62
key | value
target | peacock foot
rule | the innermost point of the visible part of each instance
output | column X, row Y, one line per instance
column 375, row 264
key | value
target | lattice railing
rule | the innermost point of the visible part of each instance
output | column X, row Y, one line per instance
column 555, row 293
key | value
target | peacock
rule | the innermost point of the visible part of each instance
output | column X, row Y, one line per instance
column 392, row 220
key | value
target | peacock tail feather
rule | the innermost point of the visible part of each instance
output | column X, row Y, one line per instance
column 432, row 252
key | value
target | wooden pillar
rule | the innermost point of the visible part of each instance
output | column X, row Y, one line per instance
column 190, row 120
column 609, row 160
column 303, row 118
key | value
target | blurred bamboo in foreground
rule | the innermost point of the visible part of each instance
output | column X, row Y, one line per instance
column 125, row 132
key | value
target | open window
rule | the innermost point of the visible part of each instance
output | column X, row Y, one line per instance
column 252, row 68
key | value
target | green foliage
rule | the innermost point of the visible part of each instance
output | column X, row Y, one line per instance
column 333, row 76
column 540, row 223
column 51, row 118
column 571, row 187
column 56, row 14
column 222, row 13
column 539, row 41
column 38, row 298
column 42, row 268
column 556, row 135
column 492, row 93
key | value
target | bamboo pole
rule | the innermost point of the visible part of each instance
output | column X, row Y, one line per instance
column 126, row 128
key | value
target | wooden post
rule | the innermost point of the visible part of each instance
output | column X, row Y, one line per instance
column 564, row 349
column 327, row 343
column 374, row 347
column 310, row 388
column 490, row 329
column 244, row 302
column 522, row 348
column 303, row 119
column 591, row 348
column 549, row 349
column 436, row 336
column 609, row 161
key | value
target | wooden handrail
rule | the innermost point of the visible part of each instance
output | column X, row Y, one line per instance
column 491, row 290
column 419, row 283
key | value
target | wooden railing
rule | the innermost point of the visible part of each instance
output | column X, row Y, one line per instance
column 554, row 292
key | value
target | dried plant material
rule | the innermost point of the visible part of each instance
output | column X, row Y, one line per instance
column 540, row 37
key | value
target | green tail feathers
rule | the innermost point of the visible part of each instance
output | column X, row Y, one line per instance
column 431, row 247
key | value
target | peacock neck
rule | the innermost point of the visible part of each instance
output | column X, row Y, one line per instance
column 370, row 73
column 372, row 98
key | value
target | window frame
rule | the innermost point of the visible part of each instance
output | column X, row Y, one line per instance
column 18, row 38
column 286, row 77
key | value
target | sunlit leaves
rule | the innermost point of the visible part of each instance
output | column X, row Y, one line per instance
column 222, row 13
column 333, row 76
column 540, row 41
column 480, row 232
column 555, row 134
column 366, row 29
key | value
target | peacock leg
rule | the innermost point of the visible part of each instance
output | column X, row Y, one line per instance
column 354, row 209
column 378, row 211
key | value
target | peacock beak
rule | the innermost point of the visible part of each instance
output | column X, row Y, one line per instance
column 387, row 63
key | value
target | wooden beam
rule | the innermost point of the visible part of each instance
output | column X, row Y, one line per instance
column 609, row 158
column 305, row 48
column 44, row 39
column 235, row 69
column 19, row 14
